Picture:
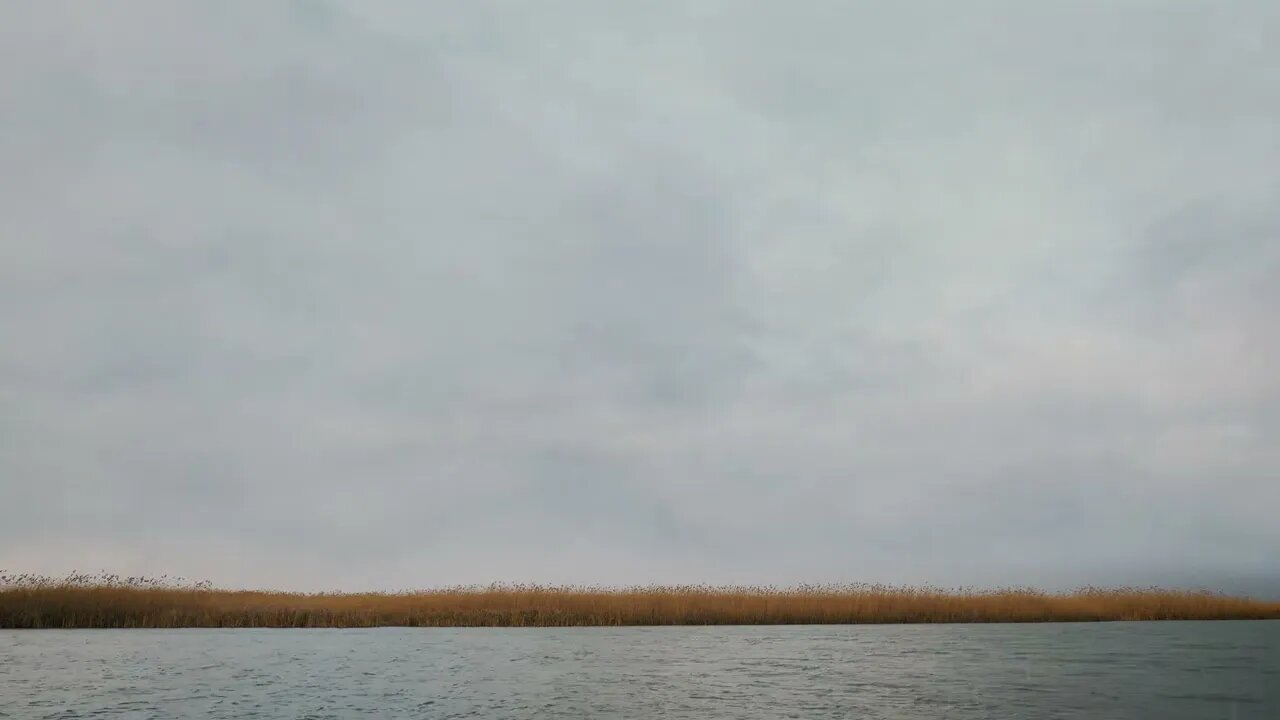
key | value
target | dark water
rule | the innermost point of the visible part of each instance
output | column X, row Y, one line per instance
column 1109, row 670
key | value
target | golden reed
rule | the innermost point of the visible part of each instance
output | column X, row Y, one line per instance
column 108, row 601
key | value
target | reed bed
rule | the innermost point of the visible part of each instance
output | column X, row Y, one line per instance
column 108, row 601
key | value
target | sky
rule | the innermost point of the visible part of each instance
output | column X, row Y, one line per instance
column 392, row 294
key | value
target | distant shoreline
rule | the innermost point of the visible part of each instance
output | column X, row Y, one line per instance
column 110, row 602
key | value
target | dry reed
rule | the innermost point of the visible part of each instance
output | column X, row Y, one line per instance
column 108, row 601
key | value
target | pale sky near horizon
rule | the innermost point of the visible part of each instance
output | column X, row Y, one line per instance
column 391, row 294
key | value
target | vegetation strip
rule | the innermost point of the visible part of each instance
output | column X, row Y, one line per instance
column 109, row 601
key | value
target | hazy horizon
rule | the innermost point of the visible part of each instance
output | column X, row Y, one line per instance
column 381, row 295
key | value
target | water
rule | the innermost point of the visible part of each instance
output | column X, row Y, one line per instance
column 1097, row 671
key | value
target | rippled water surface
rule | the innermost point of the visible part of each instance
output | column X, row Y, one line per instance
column 1108, row 670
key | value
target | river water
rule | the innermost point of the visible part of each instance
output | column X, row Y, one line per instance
column 1166, row 670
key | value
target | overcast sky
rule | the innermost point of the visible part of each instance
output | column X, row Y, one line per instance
column 389, row 294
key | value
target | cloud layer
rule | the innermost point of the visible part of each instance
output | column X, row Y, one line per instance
column 390, row 294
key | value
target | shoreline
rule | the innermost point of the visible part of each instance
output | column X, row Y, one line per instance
column 96, row 605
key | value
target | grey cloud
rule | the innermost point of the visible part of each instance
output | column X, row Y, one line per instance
column 393, row 294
